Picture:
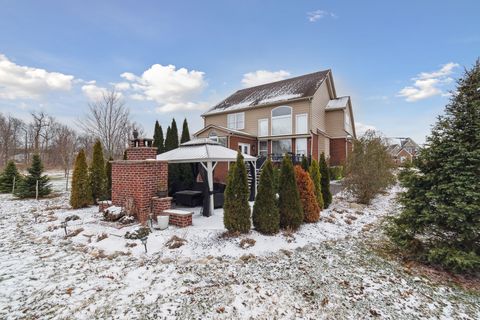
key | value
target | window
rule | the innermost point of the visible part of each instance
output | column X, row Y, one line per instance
column 301, row 125
column 263, row 148
column 236, row 121
column 282, row 120
column 212, row 135
column 280, row 147
column 301, row 146
column 244, row 148
column 262, row 127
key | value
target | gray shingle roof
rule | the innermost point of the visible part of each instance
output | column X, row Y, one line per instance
column 284, row 90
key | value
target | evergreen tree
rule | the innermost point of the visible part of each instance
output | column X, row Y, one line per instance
column 265, row 216
column 325, row 181
column 98, row 177
column 185, row 132
column 290, row 207
column 311, row 210
column 158, row 138
column 185, row 169
column 236, row 216
column 8, row 175
column 108, row 172
column 168, row 138
column 81, row 194
column 171, row 141
column 27, row 186
column 305, row 163
column 314, row 172
column 440, row 220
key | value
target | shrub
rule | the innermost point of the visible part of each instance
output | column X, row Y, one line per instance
column 81, row 194
column 304, row 163
column 8, row 175
column 98, row 177
column 28, row 185
column 236, row 215
column 265, row 216
column 290, row 207
column 311, row 211
column 336, row 172
column 314, row 172
column 325, row 181
column 439, row 221
column 369, row 167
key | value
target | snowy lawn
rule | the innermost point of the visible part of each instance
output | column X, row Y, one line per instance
column 326, row 270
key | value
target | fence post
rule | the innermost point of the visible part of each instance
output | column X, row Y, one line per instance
column 36, row 191
column 13, row 187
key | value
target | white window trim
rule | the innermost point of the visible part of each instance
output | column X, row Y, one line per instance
column 296, row 123
column 259, row 128
column 306, row 145
column 235, row 115
column 281, row 117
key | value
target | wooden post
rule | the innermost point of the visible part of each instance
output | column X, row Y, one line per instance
column 13, row 187
column 66, row 184
column 36, row 191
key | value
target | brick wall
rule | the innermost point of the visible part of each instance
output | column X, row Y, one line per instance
column 338, row 150
column 160, row 204
column 140, row 180
column 141, row 153
column 235, row 140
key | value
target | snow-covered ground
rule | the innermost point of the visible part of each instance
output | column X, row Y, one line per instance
column 326, row 270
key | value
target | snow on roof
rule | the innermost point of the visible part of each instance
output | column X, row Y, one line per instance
column 201, row 150
column 289, row 89
column 338, row 103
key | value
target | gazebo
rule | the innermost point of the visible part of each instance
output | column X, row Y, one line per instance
column 208, row 153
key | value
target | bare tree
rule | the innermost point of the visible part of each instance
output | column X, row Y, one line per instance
column 108, row 120
column 9, row 136
column 65, row 147
column 38, row 127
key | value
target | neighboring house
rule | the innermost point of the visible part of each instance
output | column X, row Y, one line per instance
column 299, row 116
column 405, row 150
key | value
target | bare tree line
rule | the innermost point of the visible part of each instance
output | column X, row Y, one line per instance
column 108, row 120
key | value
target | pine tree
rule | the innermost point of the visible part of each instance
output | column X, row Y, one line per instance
column 168, row 138
column 236, row 216
column 265, row 216
column 325, row 179
column 81, row 194
column 27, row 186
column 98, row 177
column 314, row 172
column 304, row 163
column 311, row 210
column 158, row 138
column 7, row 177
column 439, row 222
column 290, row 207
column 108, row 172
column 171, row 142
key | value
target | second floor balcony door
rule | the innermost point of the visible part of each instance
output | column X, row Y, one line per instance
column 244, row 148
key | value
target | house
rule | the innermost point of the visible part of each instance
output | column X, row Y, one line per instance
column 405, row 150
column 299, row 116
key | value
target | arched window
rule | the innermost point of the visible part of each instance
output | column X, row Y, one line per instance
column 282, row 120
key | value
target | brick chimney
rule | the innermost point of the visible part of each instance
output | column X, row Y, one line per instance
column 141, row 149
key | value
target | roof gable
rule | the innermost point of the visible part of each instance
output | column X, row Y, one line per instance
column 290, row 89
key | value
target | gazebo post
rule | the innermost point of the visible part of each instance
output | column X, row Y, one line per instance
column 210, row 185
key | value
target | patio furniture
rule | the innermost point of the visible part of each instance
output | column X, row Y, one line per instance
column 189, row 198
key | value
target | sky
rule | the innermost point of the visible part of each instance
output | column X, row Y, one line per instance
column 398, row 60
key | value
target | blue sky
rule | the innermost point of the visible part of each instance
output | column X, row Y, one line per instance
column 397, row 59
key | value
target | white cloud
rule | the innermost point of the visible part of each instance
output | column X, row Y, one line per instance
column 313, row 16
column 172, row 88
column 22, row 82
column 361, row 128
column 92, row 91
column 428, row 84
column 259, row 77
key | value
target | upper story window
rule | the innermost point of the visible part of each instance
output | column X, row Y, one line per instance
column 262, row 127
column 301, row 124
column 212, row 135
column 236, row 121
column 282, row 120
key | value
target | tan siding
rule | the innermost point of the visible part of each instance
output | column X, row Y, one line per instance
column 253, row 115
column 335, row 123
column 349, row 127
column 319, row 102
column 323, row 146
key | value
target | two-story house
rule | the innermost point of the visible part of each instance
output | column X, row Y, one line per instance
column 299, row 116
